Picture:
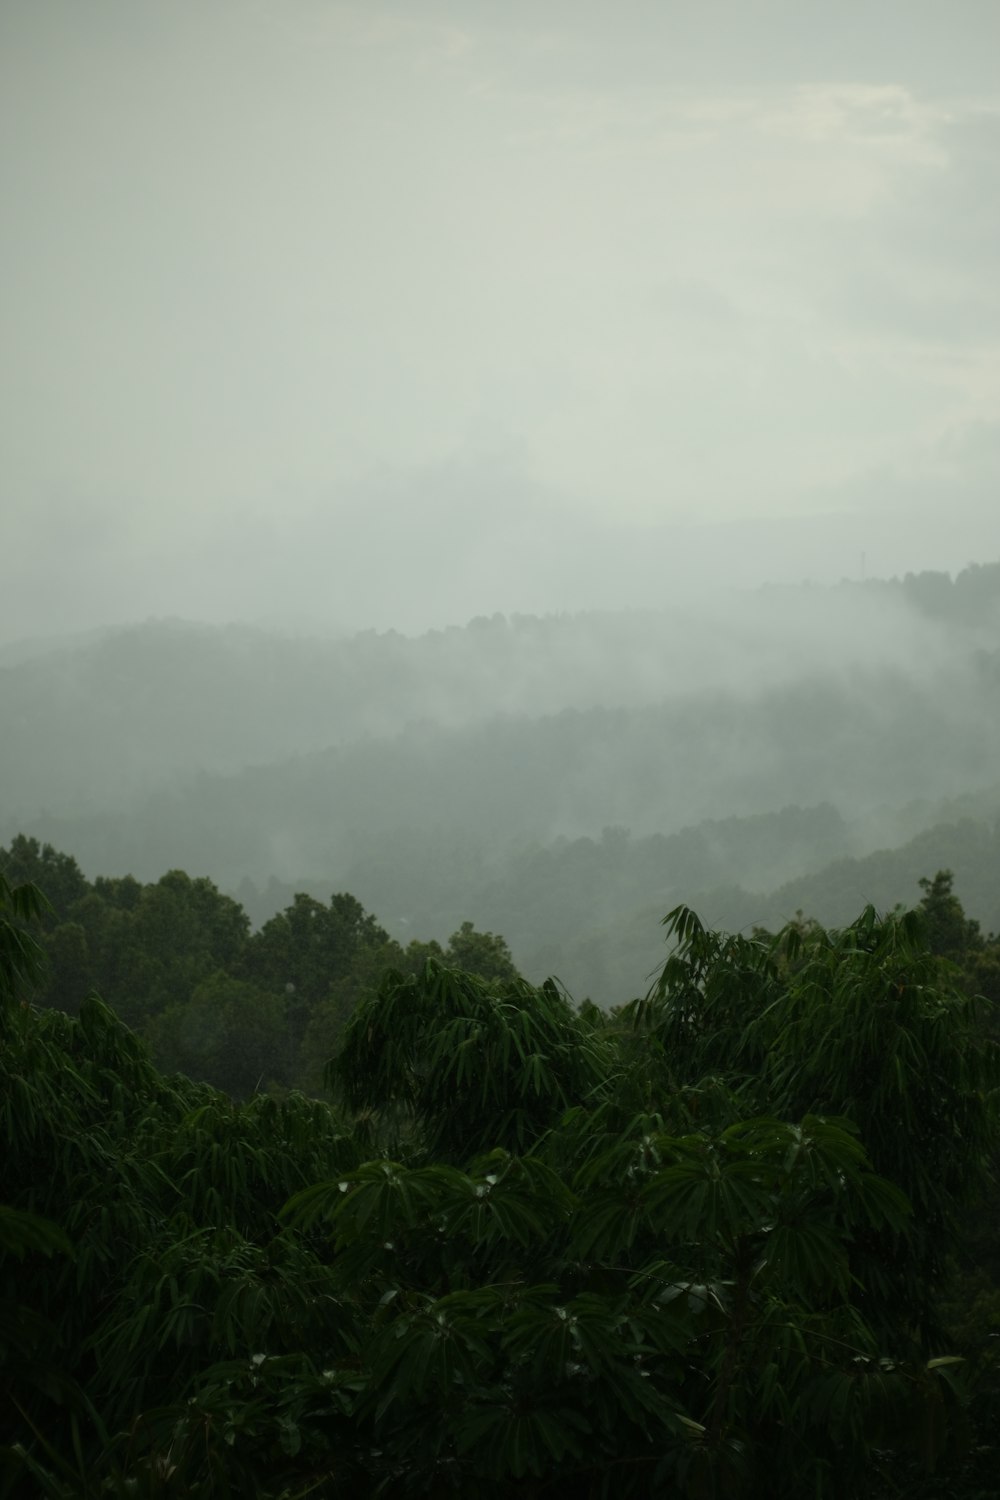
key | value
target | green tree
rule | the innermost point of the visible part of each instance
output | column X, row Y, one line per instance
column 328, row 1017
column 229, row 1033
column 138, row 1246
column 476, row 1063
column 637, row 1255
column 309, row 944
column 482, row 953
column 862, row 1023
column 950, row 932
column 143, row 947
column 317, row 957
column 22, row 959
column 740, row 1308
column 27, row 862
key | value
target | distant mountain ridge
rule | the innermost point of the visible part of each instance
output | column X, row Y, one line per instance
column 550, row 777
column 94, row 724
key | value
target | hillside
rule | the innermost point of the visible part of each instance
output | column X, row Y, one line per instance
column 557, row 779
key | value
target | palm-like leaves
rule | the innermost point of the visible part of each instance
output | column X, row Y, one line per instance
column 607, row 1258
column 476, row 1063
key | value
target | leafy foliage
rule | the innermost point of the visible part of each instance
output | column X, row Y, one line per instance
column 692, row 1247
column 177, row 961
column 476, row 1062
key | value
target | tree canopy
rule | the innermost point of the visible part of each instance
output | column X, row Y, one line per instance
column 694, row 1246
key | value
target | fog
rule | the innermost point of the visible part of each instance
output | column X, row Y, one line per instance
column 392, row 315
column 522, row 464
column 563, row 779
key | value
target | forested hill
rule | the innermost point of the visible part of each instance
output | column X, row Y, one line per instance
column 590, row 910
column 614, row 944
column 180, row 961
column 97, row 724
column 563, row 780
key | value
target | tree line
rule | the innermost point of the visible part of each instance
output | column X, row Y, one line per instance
column 177, row 962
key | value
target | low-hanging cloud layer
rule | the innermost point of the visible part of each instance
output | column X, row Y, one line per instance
column 392, row 314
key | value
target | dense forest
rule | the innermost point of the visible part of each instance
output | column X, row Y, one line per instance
column 735, row 1239
column 499, row 885
column 242, row 1009
column 177, row 961
column 300, row 1196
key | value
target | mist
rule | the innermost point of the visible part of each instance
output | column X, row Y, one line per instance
column 552, row 777
column 441, row 441
column 499, row 748
column 387, row 317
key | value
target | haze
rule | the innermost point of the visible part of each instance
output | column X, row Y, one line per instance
column 391, row 315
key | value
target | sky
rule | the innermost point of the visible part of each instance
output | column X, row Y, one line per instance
column 393, row 314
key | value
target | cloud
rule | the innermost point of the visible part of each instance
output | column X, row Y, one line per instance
column 272, row 271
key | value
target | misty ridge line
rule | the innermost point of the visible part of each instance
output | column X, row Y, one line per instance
column 590, row 911
column 476, row 730
column 553, row 778
column 257, row 696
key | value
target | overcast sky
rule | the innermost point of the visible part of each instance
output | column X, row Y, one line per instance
column 393, row 314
